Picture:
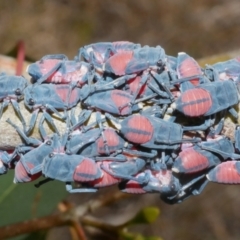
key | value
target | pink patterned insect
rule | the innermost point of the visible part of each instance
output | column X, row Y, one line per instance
column 58, row 69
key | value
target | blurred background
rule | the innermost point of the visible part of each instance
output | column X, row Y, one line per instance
column 200, row 28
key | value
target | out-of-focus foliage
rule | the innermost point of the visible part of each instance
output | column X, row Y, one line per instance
column 20, row 202
column 144, row 216
column 201, row 28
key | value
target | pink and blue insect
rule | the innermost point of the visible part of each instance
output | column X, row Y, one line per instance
column 204, row 155
column 224, row 70
column 135, row 61
column 150, row 132
column 228, row 172
column 99, row 53
column 59, row 70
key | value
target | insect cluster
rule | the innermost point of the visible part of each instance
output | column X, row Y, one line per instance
column 158, row 124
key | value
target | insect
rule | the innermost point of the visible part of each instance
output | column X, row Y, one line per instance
column 99, row 53
column 208, row 99
column 90, row 141
column 99, row 141
column 5, row 160
column 49, row 97
column 112, row 101
column 138, row 60
column 11, row 90
column 58, row 69
column 188, row 69
column 227, row 172
column 106, row 179
column 80, row 169
column 93, row 143
column 132, row 162
column 224, row 70
column 161, row 181
column 29, row 166
column 114, row 172
column 150, row 132
column 71, row 168
column 204, row 155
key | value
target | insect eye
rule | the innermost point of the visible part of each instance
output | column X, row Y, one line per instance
column 31, row 101
column 51, row 155
column 160, row 63
column 49, row 142
column 18, row 91
column 174, row 187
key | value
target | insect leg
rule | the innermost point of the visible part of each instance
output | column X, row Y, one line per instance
column 70, row 189
column 32, row 121
column 17, row 109
column 3, row 106
column 50, row 107
column 233, row 112
column 50, row 120
column 40, row 183
column 27, row 139
column 47, row 75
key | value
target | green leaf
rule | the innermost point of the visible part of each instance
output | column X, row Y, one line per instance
column 131, row 236
column 152, row 238
column 145, row 216
column 41, row 235
column 20, row 202
column 125, row 235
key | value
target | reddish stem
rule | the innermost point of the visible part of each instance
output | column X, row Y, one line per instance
column 20, row 57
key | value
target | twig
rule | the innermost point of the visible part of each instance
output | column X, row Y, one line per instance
column 69, row 217
column 34, row 225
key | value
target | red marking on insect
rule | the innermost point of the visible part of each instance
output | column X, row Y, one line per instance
column 112, row 139
column 138, row 129
column 119, row 61
column 188, row 67
column 133, row 187
column 133, row 85
column 121, row 46
column 121, row 98
column 226, row 172
column 190, row 161
column 238, row 59
column 21, row 174
column 63, row 91
column 30, row 165
column 195, row 102
column 87, row 170
column 47, row 65
column 106, row 179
